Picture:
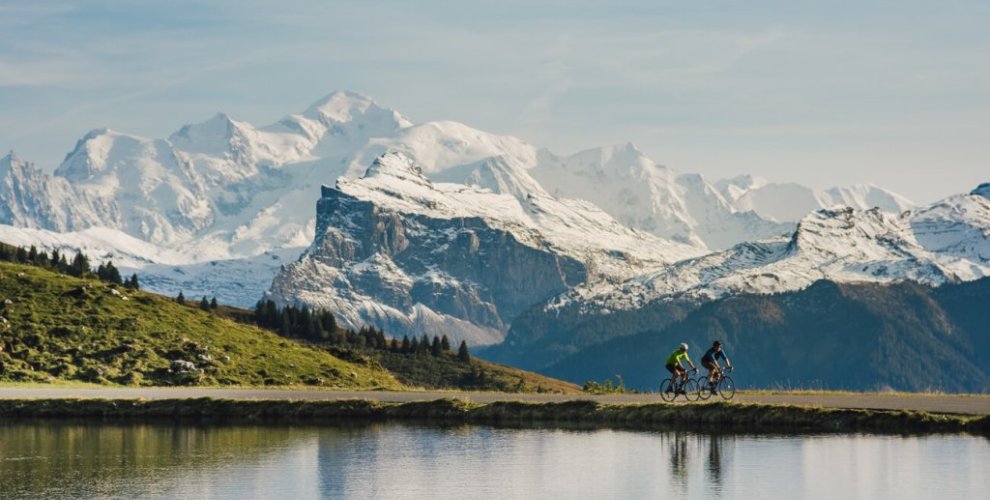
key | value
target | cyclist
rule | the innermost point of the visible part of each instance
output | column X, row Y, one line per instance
column 674, row 362
column 710, row 361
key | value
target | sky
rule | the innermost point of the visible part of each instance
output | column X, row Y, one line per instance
column 892, row 93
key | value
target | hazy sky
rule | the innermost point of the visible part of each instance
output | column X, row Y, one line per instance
column 895, row 93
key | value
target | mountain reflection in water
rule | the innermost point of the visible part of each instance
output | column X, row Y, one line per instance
column 83, row 460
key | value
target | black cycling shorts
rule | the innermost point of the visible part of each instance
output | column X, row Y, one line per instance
column 673, row 368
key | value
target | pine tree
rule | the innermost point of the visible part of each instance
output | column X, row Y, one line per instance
column 133, row 283
column 462, row 353
column 32, row 255
column 305, row 325
column 112, row 273
column 80, row 265
column 405, row 344
column 445, row 344
column 54, row 260
column 272, row 315
column 42, row 259
column 435, row 346
column 21, row 255
column 204, row 304
column 327, row 320
column 285, row 325
column 213, row 304
column 180, row 299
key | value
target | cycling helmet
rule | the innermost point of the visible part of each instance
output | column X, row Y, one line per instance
column 683, row 346
column 716, row 344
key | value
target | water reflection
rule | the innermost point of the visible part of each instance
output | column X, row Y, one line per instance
column 714, row 463
column 678, row 460
column 58, row 460
column 681, row 450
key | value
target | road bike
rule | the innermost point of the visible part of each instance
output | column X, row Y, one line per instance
column 671, row 387
column 723, row 386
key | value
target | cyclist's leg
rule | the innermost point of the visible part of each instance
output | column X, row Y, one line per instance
column 710, row 366
column 673, row 375
column 716, row 376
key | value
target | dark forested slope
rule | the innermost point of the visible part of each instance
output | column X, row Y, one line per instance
column 832, row 336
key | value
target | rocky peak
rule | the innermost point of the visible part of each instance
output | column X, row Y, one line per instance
column 982, row 190
column 10, row 162
column 822, row 223
column 83, row 161
column 24, row 171
column 398, row 166
column 346, row 107
column 214, row 136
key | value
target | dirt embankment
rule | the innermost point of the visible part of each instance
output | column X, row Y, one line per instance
column 719, row 416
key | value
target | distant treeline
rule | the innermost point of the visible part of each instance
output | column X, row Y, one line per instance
column 79, row 266
column 319, row 325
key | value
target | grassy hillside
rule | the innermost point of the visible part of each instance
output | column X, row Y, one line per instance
column 57, row 327
column 830, row 336
column 447, row 372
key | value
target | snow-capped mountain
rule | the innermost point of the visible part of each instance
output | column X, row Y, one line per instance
column 654, row 198
column 398, row 250
column 791, row 202
column 948, row 241
column 31, row 199
column 945, row 242
column 141, row 186
column 225, row 193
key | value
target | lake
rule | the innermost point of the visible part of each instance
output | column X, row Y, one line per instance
column 96, row 460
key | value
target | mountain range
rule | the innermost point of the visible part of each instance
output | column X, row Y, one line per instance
column 440, row 227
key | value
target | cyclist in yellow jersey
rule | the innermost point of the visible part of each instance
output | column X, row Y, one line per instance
column 674, row 362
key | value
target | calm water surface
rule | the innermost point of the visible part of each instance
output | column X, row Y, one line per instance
column 65, row 460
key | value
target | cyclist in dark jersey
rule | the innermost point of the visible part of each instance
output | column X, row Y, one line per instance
column 710, row 361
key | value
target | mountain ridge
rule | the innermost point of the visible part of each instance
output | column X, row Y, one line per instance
column 855, row 336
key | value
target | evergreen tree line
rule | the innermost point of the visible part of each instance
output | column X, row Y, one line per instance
column 208, row 305
column 79, row 266
column 304, row 323
column 320, row 325
column 205, row 304
column 435, row 347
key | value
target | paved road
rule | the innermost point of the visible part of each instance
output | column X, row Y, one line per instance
column 973, row 405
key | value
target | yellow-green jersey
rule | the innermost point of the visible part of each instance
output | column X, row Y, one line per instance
column 676, row 357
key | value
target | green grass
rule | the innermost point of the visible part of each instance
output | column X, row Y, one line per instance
column 57, row 328
column 446, row 372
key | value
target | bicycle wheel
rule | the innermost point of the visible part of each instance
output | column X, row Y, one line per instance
column 691, row 390
column 667, row 390
column 726, row 387
column 704, row 388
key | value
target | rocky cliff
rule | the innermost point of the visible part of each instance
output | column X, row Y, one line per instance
column 395, row 250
